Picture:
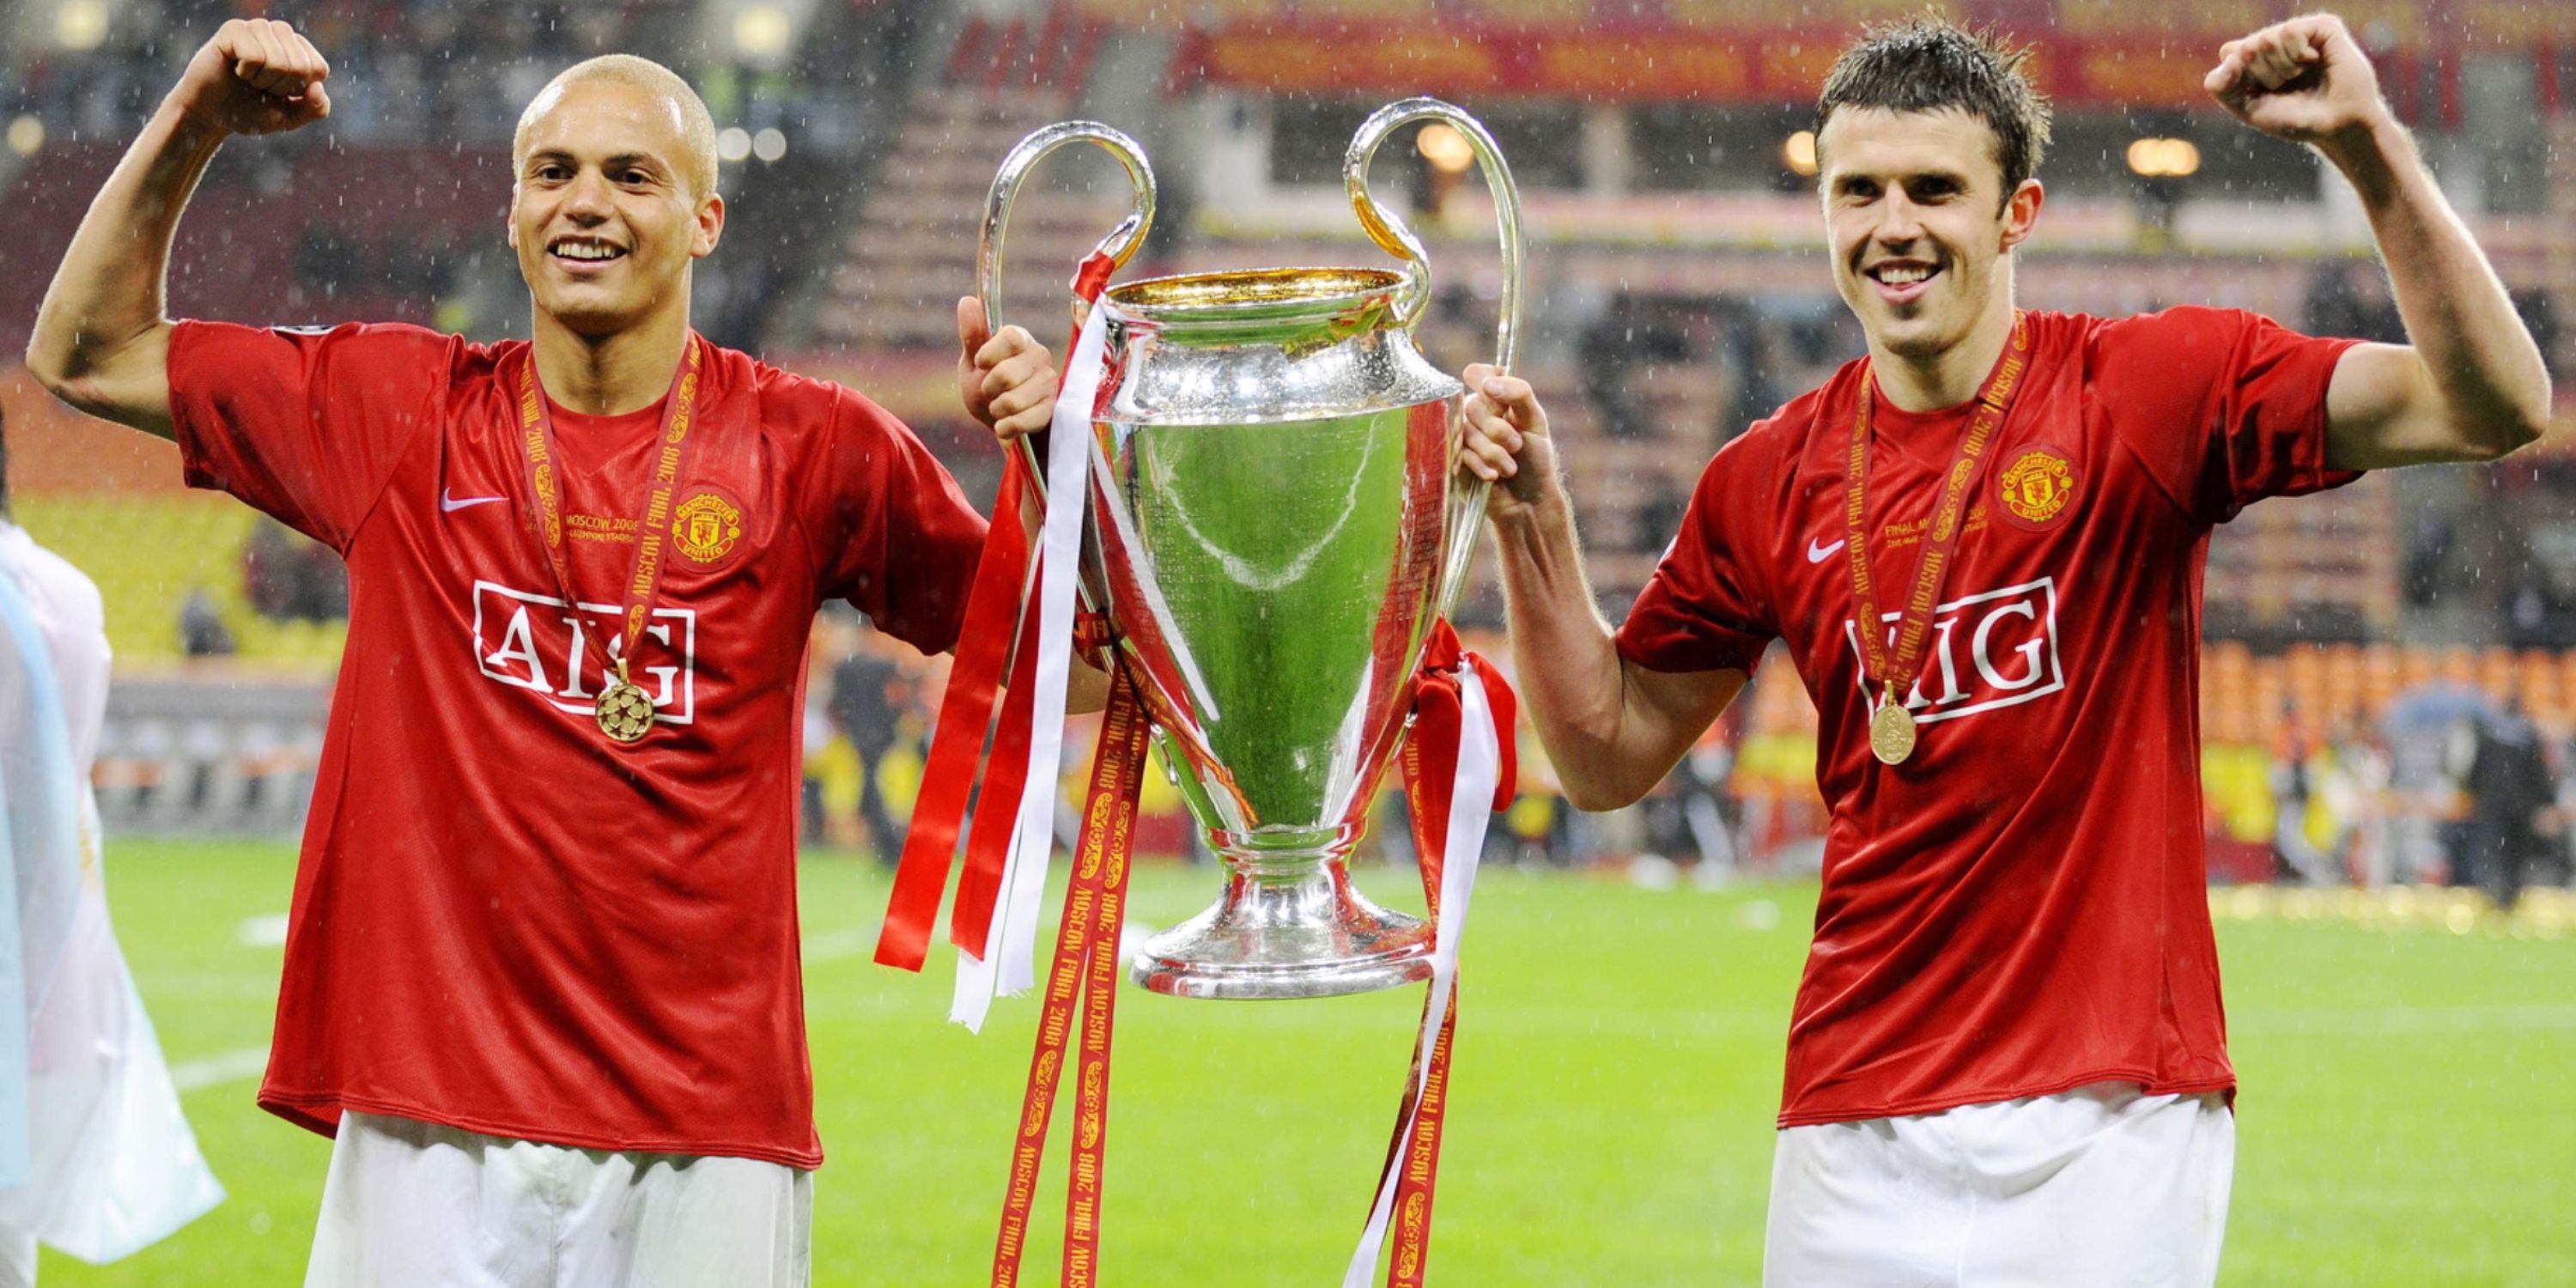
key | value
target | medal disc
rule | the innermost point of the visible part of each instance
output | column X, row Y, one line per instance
column 625, row 711
column 1891, row 733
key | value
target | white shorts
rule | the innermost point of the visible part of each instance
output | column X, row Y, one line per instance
column 2100, row 1187
column 416, row 1205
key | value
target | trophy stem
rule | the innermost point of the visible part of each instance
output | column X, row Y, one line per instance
column 1288, row 925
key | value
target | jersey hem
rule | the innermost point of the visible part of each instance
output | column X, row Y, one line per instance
column 2056, row 1086
column 296, row 1107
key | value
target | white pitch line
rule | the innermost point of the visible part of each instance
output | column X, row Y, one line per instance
column 216, row 1070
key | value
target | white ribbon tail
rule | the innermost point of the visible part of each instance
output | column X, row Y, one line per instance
column 1007, row 964
column 1471, row 808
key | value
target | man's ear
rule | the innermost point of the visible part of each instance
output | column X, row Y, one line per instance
column 2021, row 212
column 709, row 228
column 510, row 216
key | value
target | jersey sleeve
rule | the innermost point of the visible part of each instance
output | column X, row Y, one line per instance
column 304, row 425
column 1707, row 607
column 2225, row 407
column 891, row 532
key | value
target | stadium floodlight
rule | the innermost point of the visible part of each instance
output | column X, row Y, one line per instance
column 761, row 32
column 1445, row 148
column 2164, row 158
column 770, row 144
column 26, row 135
column 81, row 24
column 733, row 144
column 1798, row 152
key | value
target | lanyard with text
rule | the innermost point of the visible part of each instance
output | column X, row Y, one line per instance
column 1891, row 725
column 1084, row 977
column 624, row 711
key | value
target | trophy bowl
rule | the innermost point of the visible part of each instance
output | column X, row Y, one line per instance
column 1276, row 522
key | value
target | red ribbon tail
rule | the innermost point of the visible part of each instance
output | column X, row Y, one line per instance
column 997, row 806
column 965, row 713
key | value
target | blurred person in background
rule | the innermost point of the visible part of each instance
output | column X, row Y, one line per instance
column 2007, row 1061
column 541, row 978
column 2512, row 821
column 96, row 1157
column 863, row 712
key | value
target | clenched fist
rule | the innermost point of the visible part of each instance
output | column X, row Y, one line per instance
column 257, row 76
column 2304, row 80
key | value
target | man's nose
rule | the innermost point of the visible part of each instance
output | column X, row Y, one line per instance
column 587, row 198
column 1900, row 221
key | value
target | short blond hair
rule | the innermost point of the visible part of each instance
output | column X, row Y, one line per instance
column 697, row 128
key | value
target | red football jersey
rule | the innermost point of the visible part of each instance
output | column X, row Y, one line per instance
column 2021, row 907
column 503, row 921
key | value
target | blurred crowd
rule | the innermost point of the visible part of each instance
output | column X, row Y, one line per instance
column 2323, row 768
column 415, row 71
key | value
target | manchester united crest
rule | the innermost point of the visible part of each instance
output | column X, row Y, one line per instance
column 2036, row 488
column 706, row 526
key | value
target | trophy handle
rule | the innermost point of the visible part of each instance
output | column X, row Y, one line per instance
column 1119, row 245
column 1386, row 228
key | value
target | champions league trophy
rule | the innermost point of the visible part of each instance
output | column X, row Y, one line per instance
column 1277, row 520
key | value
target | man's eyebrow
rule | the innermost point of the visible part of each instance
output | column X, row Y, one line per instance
column 1954, row 178
column 643, row 159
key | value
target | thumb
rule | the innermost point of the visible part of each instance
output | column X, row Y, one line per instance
column 972, row 330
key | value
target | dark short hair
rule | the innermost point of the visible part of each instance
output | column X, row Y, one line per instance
column 1930, row 64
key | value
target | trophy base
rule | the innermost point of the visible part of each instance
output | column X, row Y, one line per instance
column 1276, row 935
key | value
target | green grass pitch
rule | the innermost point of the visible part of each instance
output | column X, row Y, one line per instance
column 2408, row 1115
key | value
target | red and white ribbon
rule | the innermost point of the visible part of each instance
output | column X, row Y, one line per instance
column 1006, row 962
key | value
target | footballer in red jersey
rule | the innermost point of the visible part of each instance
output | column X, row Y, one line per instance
column 541, row 973
column 1981, row 547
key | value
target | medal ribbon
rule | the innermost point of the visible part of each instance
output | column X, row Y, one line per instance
column 1083, row 977
column 984, row 652
column 1895, row 677
column 539, row 444
column 1459, row 767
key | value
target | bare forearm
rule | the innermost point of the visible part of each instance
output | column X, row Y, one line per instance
column 1562, row 650
column 106, row 300
column 2482, row 362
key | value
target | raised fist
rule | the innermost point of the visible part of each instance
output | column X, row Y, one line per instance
column 2304, row 80
column 257, row 76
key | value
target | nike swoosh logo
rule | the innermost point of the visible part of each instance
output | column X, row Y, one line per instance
column 1818, row 553
column 450, row 503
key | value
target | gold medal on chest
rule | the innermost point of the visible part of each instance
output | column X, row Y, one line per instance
column 625, row 711
column 1891, row 731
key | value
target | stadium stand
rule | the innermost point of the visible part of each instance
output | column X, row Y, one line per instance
column 1675, row 296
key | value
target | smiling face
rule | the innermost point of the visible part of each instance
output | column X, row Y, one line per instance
column 605, row 215
column 1920, row 226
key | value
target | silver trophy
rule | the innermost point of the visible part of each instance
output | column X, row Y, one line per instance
column 1277, row 518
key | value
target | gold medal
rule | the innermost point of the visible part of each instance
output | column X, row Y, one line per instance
column 1891, row 730
column 625, row 711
